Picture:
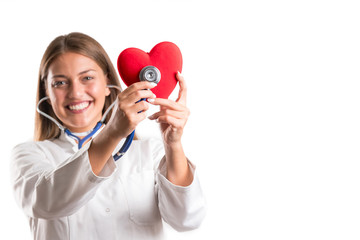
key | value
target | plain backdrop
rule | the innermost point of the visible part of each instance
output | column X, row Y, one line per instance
column 273, row 89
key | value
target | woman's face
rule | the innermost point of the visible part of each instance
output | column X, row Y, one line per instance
column 76, row 86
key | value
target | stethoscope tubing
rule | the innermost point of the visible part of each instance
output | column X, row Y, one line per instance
column 148, row 73
column 81, row 141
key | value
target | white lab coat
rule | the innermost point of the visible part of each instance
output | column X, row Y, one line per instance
column 63, row 199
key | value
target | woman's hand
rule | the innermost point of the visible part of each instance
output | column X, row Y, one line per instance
column 130, row 111
column 173, row 115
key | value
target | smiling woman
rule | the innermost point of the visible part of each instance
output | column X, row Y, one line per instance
column 66, row 60
column 77, row 96
column 59, row 182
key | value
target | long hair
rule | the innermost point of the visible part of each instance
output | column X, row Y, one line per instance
column 77, row 43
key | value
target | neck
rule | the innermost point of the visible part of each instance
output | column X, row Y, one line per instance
column 81, row 138
column 81, row 134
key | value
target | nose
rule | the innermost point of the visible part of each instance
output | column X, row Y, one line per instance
column 76, row 90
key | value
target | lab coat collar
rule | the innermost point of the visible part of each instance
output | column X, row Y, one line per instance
column 66, row 139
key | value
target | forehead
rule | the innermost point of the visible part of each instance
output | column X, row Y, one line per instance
column 72, row 63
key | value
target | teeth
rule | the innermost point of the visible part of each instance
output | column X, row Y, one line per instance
column 80, row 106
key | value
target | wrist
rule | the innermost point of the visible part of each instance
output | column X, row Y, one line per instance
column 114, row 130
column 173, row 146
column 174, row 154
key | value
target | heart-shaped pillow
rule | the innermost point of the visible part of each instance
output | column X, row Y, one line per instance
column 165, row 56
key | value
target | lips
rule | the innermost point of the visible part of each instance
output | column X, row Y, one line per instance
column 78, row 107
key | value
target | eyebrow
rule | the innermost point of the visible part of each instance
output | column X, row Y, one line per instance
column 89, row 70
column 58, row 76
column 80, row 73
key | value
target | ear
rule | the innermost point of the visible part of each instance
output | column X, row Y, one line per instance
column 47, row 92
column 107, row 91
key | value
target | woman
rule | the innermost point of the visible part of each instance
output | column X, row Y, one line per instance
column 71, row 193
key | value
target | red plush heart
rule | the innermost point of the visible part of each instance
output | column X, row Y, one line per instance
column 166, row 56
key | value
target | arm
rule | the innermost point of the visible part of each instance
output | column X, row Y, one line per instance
column 172, row 118
column 183, row 208
column 181, row 202
column 47, row 190
column 178, row 170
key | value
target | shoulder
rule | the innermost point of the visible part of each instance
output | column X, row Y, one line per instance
column 28, row 146
column 33, row 146
column 27, row 157
column 37, row 151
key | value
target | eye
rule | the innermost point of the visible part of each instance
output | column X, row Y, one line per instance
column 58, row 83
column 88, row 78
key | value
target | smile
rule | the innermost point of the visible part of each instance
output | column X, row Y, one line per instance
column 79, row 106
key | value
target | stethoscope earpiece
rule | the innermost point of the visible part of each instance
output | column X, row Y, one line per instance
column 150, row 74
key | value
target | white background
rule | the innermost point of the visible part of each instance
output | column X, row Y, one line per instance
column 273, row 92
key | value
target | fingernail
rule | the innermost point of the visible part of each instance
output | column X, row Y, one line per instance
column 150, row 100
column 153, row 84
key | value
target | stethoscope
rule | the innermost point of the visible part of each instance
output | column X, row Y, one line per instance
column 148, row 73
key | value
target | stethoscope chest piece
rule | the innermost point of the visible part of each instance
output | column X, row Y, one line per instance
column 150, row 74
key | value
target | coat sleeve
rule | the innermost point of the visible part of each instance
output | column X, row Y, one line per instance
column 183, row 208
column 46, row 191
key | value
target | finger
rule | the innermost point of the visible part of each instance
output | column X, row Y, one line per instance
column 166, row 103
column 135, row 96
column 173, row 122
column 175, row 114
column 138, row 86
column 142, row 85
column 135, row 114
column 134, row 108
column 183, row 89
column 136, row 118
column 141, row 106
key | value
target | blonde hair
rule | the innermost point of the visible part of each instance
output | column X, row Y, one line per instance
column 77, row 43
